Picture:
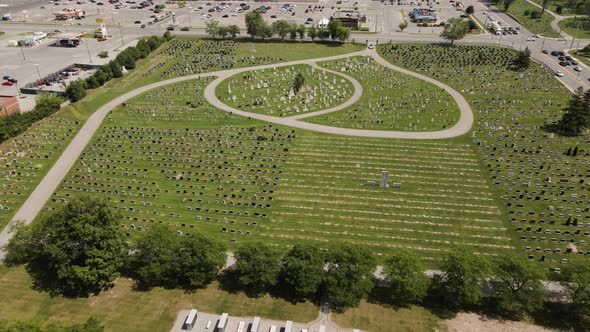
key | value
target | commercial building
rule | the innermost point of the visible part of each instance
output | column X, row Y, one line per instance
column 349, row 18
column 9, row 105
column 70, row 14
column 423, row 15
column 34, row 39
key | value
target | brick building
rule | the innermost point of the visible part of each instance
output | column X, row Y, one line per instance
column 9, row 105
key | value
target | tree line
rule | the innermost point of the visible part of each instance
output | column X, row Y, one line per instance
column 91, row 325
column 126, row 59
column 12, row 125
column 79, row 250
column 257, row 27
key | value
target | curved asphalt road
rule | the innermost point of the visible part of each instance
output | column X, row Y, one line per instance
column 35, row 202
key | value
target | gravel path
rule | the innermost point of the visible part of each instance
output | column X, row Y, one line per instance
column 35, row 202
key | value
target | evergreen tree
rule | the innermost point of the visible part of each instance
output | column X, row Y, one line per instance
column 576, row 118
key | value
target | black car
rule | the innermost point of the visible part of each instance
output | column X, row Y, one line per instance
column 184, row 29
column 561, row 58
column 170, row 28
column 555, row 53
column 545, row 52
column 564, row 63
column 273, row 16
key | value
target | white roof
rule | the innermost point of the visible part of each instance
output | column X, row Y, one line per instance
column 324, row 21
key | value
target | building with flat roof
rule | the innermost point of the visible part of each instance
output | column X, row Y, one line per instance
column 349, row 18
column 9, row 105
column 423, row 15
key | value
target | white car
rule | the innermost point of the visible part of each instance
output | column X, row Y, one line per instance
column 578, row 68
column 559, row 73
column 530, row 39
column 371, row 46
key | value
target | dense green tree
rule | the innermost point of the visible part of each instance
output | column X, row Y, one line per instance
column 405, row 271
column 342, row 34
column 165, row 259
column 76, row 90
column 301, row 31
column 455, row 29
column 281, row 28
column 125, row 60
column 212, row 28
column 100, row 77
column 349, row 276
column 222, row 31
column 254, row 24
column 333, row 26
column 92, row 82
column 143, row 48
column 312, row 33
column 522, row 60
column 167, row 35
column 116, row 68
column 575, row 279
column 293, row 32
column 469, row 10
column 576, row 117
column 323, row 33
column 517, row 283
column 75, row 251
column 257, row 267
column 233, row 30
column 303, row 270
column 462, row 280
column 298, row 82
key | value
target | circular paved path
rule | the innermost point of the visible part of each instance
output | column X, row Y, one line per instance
column 35, row 202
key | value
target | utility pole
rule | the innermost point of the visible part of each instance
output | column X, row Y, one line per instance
column 88, row 49
column 121, row 33
column 22, row 52
column 38, row 73
column 575, row 33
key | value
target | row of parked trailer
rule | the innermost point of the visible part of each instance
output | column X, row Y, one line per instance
column 223, row 321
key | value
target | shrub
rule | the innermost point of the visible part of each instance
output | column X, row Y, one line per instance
column 103, row 54
column 535, row 14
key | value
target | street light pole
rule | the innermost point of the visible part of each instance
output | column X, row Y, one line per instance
column 38, row 73
column 189, row 16
column 22, row 52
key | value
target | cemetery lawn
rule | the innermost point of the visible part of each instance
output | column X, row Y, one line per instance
column 197, row 169
column 270, row 91
column 185, row 56
column 123, row 309
column 44, row 141
column 569, row 25
column 379, row 318
column 542, row 192
column 390, row 100
column 540, row 25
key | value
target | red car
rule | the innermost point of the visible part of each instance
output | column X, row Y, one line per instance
column 8, row 83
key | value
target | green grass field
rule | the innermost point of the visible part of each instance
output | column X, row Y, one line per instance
column 540, row 25
column 185, row 56
column 542, row 191
column 199, row 169
column 566, row 6
column 377, row 318
column 270, row 91
column 390, row 101
column 119, row 307
column 578, row 27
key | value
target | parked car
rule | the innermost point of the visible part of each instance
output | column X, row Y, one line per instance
column 142, row 26
column 137, row 22
column 555, row 53
column 559, row 73
column 7, row 83
column 576, row 68
column 184, row 29
column 574, row 62
column 545, row 52
column 170, row 28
